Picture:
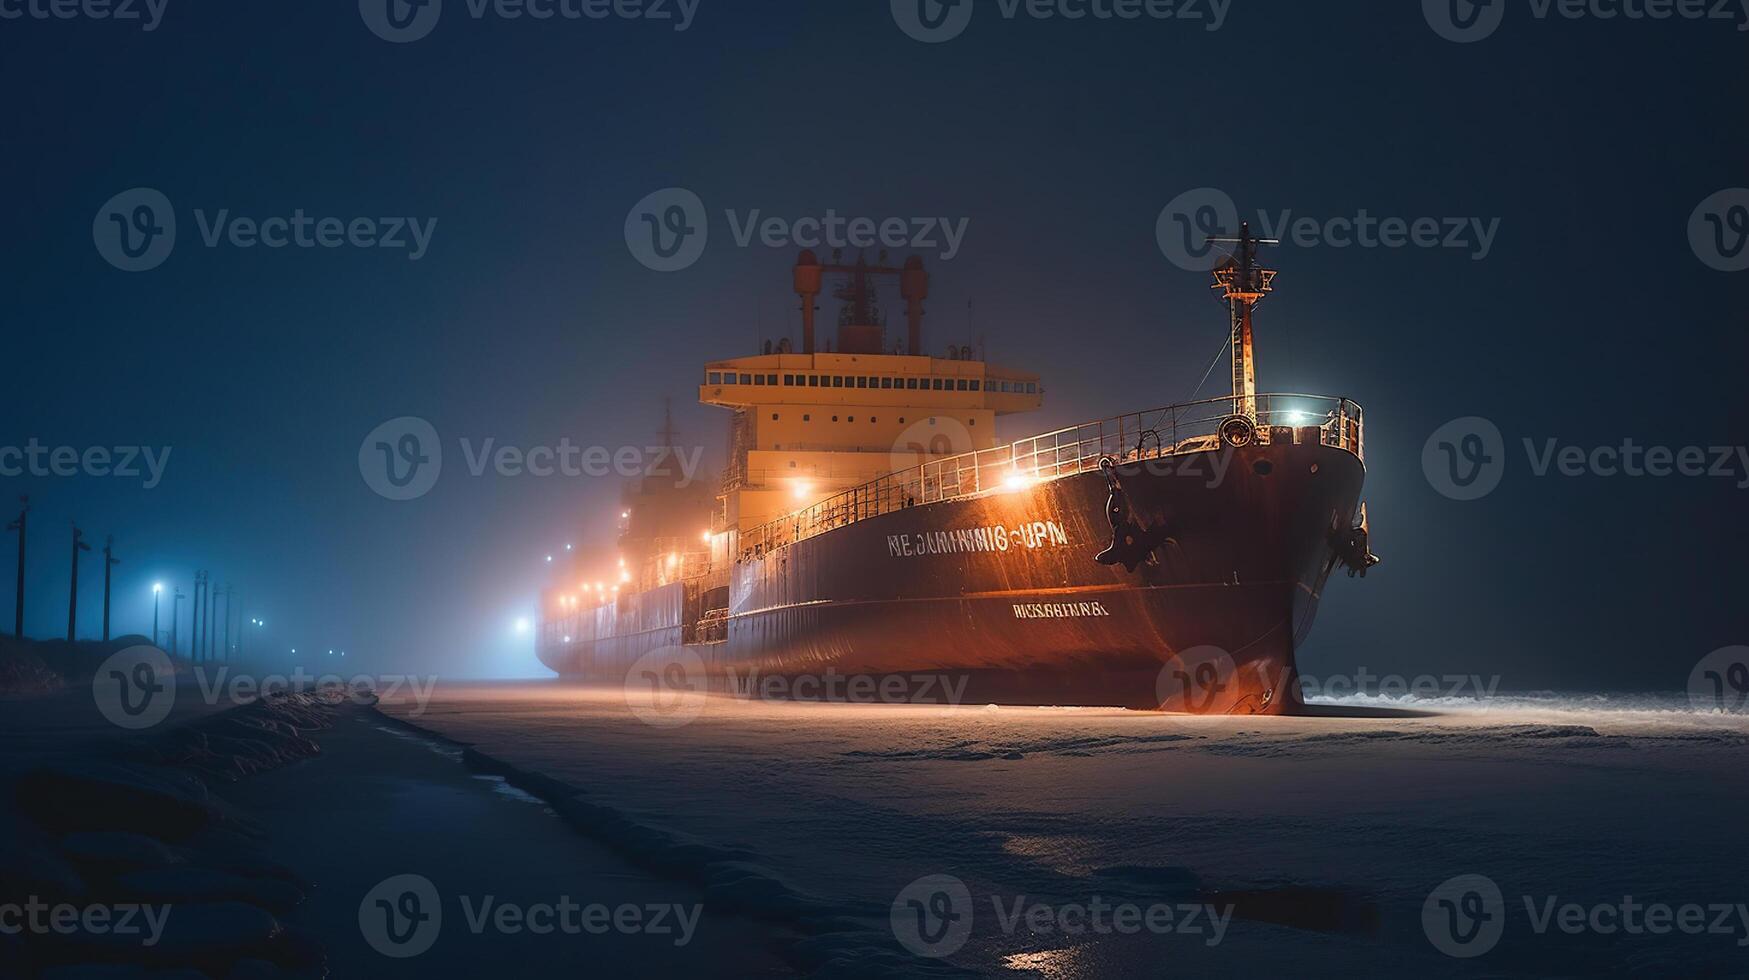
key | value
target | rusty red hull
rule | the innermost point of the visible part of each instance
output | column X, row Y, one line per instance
column 1002, row 591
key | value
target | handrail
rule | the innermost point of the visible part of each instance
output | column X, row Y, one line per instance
column 1184, row 428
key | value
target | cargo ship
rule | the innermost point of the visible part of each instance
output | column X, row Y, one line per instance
column 870, row 524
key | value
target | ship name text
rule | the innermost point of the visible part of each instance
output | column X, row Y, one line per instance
column 1032, row 536
column 1059, row 610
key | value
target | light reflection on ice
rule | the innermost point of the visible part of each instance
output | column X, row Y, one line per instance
column 1055, row 964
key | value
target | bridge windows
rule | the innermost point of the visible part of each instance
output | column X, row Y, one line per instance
column 746, row 379
column 716, row 378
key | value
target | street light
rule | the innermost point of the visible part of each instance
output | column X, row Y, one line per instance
column 157, row 590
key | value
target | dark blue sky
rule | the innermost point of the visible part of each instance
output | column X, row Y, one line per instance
column 1590, row 321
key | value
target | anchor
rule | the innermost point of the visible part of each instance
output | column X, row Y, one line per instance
column 1354, row 547
column 1131, row 544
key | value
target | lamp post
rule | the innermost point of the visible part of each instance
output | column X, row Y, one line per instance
column 175, row 620
column 73, row 594
column 18, row 525
column 109, row 562
column 157, row 590
column 194, row 615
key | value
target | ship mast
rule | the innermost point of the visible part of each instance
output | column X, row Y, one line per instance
column 1243, row 284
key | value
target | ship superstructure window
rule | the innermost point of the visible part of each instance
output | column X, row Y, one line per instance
column 974, row 384
column 910, row 384
column 837, row 381
column 862, row 382
column 716, row 378
column 962, row 385
column 874, row 382
column 1032, row 387
column 774, row 416
column 807, row 418
column 746, row 379
column 759, row 379
column 886, row 384
column 771, row 379
column 789, row 379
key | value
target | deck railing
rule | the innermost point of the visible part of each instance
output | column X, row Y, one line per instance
column 1173, row 430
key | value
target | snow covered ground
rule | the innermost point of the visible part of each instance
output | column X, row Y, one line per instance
column 1606, row 831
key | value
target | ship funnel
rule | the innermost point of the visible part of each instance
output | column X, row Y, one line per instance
column 809, row 277
column 914, row 289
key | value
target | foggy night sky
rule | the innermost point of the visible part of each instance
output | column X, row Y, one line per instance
column 529, row 321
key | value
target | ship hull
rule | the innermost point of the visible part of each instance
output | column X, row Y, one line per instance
column 1000, row 598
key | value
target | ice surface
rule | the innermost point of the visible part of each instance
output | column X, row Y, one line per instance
column 1327, row 834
